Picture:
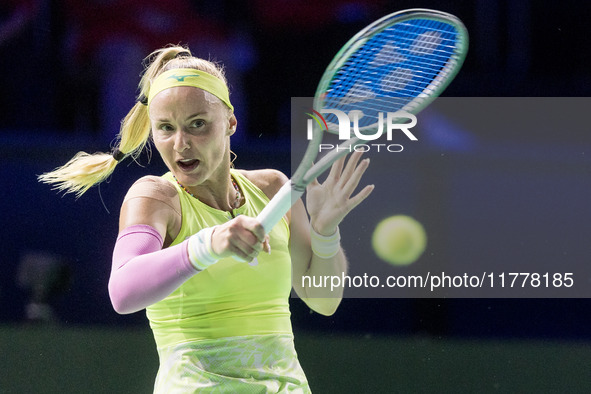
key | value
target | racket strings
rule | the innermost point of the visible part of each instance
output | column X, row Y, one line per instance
column 360, row 67
column 394, row 69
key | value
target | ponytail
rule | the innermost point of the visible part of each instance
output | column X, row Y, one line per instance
column 86, row 170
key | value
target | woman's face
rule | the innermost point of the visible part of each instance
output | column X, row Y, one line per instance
column 190, row 130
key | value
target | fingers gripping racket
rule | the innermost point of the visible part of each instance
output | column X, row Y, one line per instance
column 400, row 62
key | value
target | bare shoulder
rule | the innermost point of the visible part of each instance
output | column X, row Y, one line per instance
column 268, row 180
column 153, row 201
column 152, row 187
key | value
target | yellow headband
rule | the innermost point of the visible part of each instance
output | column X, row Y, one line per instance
column 190, row 77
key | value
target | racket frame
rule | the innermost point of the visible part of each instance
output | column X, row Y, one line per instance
column 307, row 171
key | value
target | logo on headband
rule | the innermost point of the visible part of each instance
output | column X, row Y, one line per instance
column 181, row 78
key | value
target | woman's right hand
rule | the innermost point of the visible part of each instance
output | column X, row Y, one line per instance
column 242, row 238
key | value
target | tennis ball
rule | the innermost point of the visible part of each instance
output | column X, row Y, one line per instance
column 399, row 240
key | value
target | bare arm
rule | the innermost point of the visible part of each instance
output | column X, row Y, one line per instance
column 152, row 201
column 328, row 204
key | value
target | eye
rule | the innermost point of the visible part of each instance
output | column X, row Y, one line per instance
column 198, row 123
column 166, row 127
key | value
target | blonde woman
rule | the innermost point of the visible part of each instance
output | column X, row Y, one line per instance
column 190, row 250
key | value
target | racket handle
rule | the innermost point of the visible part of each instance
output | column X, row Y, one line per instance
column 278, row 206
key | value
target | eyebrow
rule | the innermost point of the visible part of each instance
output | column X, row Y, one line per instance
column 195, row 115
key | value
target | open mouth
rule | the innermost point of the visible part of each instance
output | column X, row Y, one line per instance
column 188, row 164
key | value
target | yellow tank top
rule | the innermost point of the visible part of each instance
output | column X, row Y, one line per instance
column 229, row 298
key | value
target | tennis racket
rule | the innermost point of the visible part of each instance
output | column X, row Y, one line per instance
column 400, row 62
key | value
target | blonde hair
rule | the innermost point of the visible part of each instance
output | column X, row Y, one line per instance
column 85, row 170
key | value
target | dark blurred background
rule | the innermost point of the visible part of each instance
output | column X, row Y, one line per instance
column 69, row 72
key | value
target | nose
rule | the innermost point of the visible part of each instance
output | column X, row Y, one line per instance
column 181, row 142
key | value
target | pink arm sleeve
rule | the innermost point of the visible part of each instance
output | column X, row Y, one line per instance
column 143, row 273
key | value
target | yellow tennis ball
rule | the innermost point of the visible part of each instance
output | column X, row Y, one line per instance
column 399, row 240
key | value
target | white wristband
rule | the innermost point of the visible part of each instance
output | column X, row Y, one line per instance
column 323, row 246
column 201, row 253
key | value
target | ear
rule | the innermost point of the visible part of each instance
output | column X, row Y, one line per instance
column 232, row 124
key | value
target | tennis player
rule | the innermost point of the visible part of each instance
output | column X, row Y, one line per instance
column 190, row 250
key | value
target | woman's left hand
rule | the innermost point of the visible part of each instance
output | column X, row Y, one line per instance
column 328, row 203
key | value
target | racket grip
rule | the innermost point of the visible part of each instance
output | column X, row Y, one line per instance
column 278, row 206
